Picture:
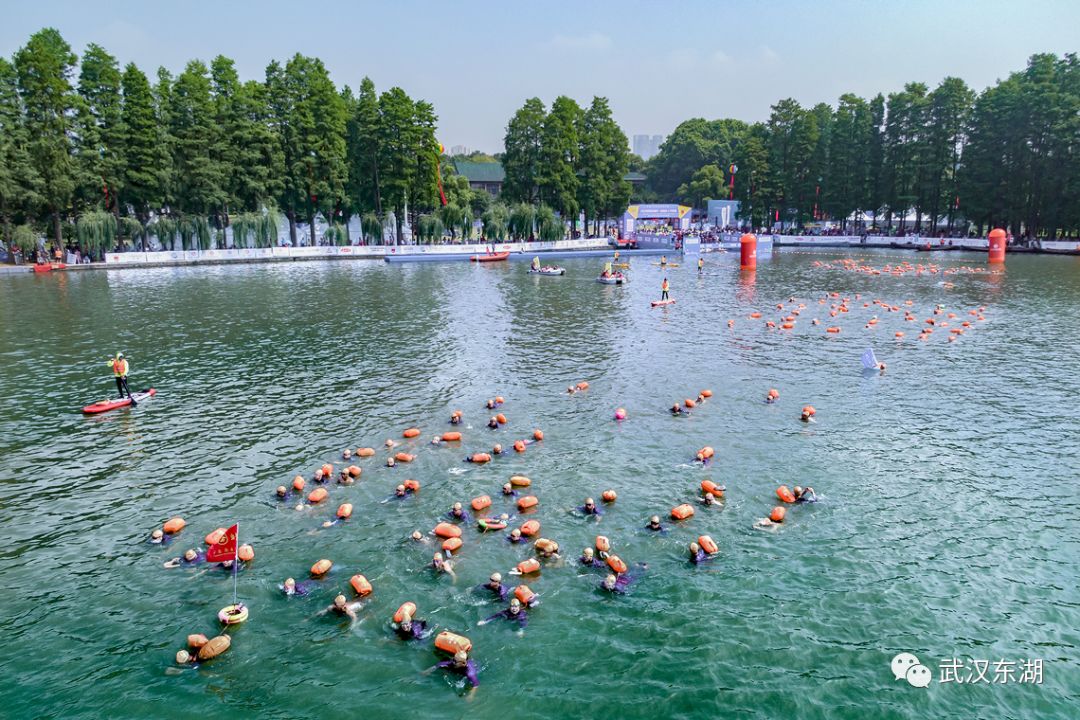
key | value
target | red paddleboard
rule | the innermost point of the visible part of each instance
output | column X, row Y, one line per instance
column 658, row 303
column 104, row 405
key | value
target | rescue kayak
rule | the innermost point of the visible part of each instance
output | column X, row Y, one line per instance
column 658, row 303
column 105, row 405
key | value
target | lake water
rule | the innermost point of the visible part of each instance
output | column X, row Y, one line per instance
column 947, row 525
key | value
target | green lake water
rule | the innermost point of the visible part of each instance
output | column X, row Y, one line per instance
column 947, row 525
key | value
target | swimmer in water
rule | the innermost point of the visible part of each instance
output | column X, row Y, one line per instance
column 455, row 417
column 588, row 558
column 497, row 450
column 282, row 493
column 158, row 537
column 458, row 513
column 418, row 536
column 620, row 584
column 390, row 462
column 708, row 500
column 462, row 664
column 881, row 368
column 389, row 443
column 290, row 587
column 410, row 629
column 493, row 423
column 343, row 607
column 698, row 556
column 804, row 495
column 344, row 478
column 589, row 508
column 494, row 586
column 654, row 524
column 677, row 409
column 508, row 490
column 514, row 613
column 441, row 565
column 190, row 557
column 806, row 417
column 550, row 551
column 515, row 536
column 346, row 454
column 436, row 440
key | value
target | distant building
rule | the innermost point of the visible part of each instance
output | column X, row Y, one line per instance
column 459, row 150
column 646, row 146
column 489, row 176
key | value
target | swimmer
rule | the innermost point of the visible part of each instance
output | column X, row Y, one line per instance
column 390, row 462
column 183, row 657
column 344, row 478
column 409, row 629
column 508, row 490
column 282, row 492
column 418, row 536
column 803, row 495
column 677, row 409
column 346, row 454
column 400, row 491
column 515, row 536
column 436, row 440
column 389, row 443
column 588, row 558
column 493, row 423
column 881, row 368
column 441, row 565
column 455, row 417
column 494, row 585
column 497, row 450
column 709, row 499
column 514, row 613
column 620, row 584
column 549, row 551
column 654, row 524
column 158, row 537
column 462, row 664
column 318, row 476
column 341, row 606
column 698, row 556
column 190, row 557
column 290, row 587
column 589, row 508
column 458, row 513
column 806, row 417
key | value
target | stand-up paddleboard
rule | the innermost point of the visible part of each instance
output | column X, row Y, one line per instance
column 658, row 303
column 106, row 405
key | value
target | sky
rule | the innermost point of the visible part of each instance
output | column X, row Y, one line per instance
column 657, row 63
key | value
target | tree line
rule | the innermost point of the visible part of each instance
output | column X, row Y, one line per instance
column 118, row 155
column 1006, row 157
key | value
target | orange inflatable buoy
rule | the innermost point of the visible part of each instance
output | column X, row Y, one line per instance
column 707, row 452
column 689, row 403
column 582, row 385
column 481, row 458
column 615, row 563
column 525, row 567
column 480, row 503
column 327, row 470
column 755, row 316
column 317, row 495
column 354, row 471
column 406, row 608
column 499, row 400
column 545, row 545
column 608, row 496
column 706, row 393
column 344, row 510
column 682, row 512
column 411, row 433
column 602, row 544
column 529, row 501
column 788, row 326
column 452, row 544
column 708, row 544
column 214, row 647
column 899, row 334
column 245, row 553
column 365, row 452
column 360, row 585
column 412, row 485
column 520, row 481
column 404, row 457
column 452, row 643
column 708, row 486
column 832, row 329
column 519, row 446
column 452, row 436
column 174, row 525
column 777, row 514
column 447, row 530
column 214, row 536
column 501, row 419
column 538, row 435
column 524, row 594
column 774, row 393
column 530, row 528
column 321, row 567
column 785, row 494
column 196, row 641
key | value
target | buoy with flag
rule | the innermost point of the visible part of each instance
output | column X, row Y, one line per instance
column 226, row 550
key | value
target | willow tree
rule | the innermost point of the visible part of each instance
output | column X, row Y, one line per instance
column 549, row 227
column 520, row 222
column 495, row 221
column 96, row 232
column 371, row 227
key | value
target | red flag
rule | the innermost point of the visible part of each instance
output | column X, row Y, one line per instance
column 224, row 548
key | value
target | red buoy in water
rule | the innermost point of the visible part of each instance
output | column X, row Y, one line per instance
column 996, row 251
column 748, row 252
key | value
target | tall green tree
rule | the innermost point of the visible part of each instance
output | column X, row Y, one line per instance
column 18, row 181
column 557, row 178
column 146, row 159
column 605, row 157
column 200, row 170
column 44, row 67
column 100, row 131
column 396, row 160
column 523, row 156
column 363, row 150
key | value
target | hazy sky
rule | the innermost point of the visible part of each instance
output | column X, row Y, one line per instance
column 658, row 63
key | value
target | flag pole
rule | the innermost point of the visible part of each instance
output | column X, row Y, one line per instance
column 236, row 561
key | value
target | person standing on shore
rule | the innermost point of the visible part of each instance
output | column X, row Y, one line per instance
column 120, row 367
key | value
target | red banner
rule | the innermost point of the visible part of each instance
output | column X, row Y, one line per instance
column 225, row 547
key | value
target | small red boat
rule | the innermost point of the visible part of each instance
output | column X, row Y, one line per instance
column 103, row 405
column 490, row 257
column 48, row 267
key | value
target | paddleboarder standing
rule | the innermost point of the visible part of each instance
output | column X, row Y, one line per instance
column 664, row 290
column 119, row 365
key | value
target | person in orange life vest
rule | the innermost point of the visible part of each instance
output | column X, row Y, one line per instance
column 664, row 290
column 120, row 369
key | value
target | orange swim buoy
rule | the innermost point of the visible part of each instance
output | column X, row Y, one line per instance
column 524, row 594
column 321, row 567
column 453, row 436
column 530, row 528
column 785, row 494
column 755, row 316
column 298, row 483
column 174, row 525
column 411, row 433
column 214, row 647
column 501, row 419
column 499, row 399
column 615, row 563
column 582, row 385
column 344, row 510
column 327, row 470
column 788, row 326
column 832, row 329
column 529, row 501
column 404, row 457
column 214, row 536
column 365, row 452
column 481, row 458
column 452, row 544
column 447, row 530
column 708, row 544
column 519, row 446
column 608, row 496
column 707, row 452
column 526, row 567
column 706, row 393
column 899, row 334
column 354, row 471
column 603, row 544
column 777, row 514
column 360, row 585
column 708, row 486
column 689, row 403
column 412, row 485
column 520, row 481
column 317, row 495
column 774, row 393
column 196, row 641
column 452, row 643
column 809, row 410
column 406, row 608
column 245, row 553
column 682, row 512
column 481, row 502
column 545, row 545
